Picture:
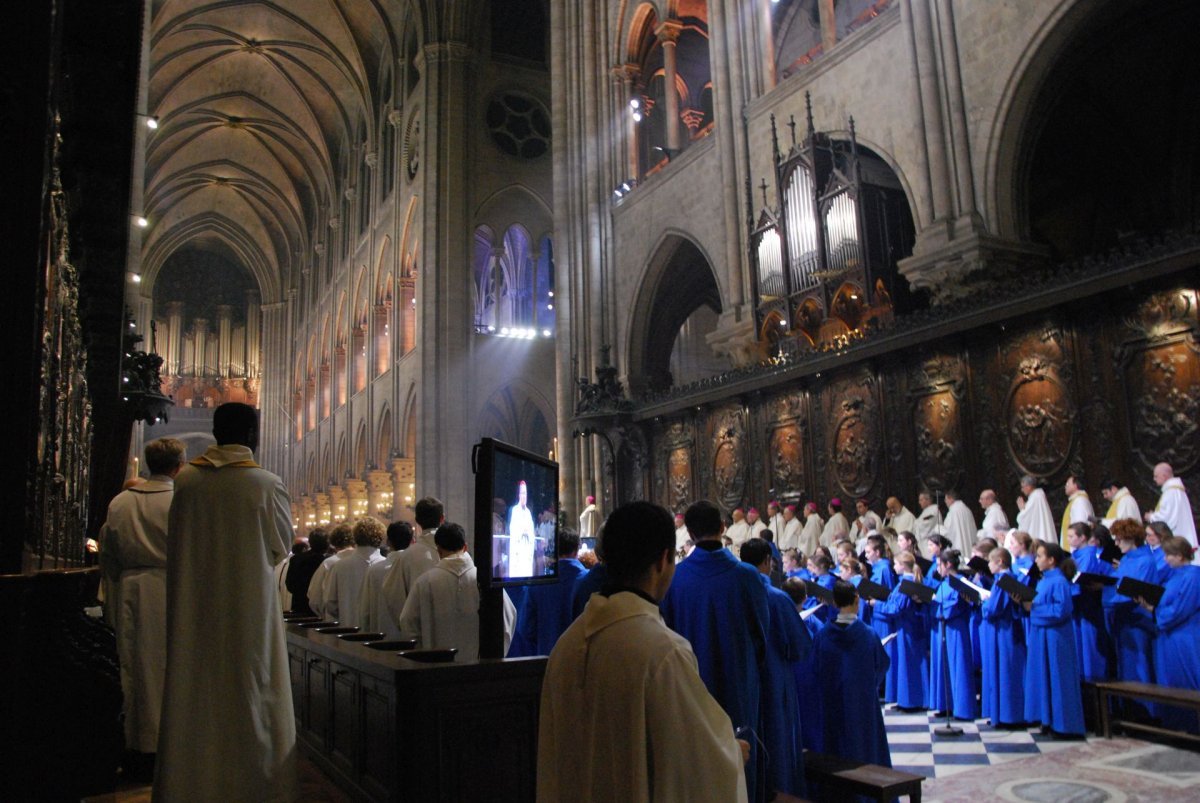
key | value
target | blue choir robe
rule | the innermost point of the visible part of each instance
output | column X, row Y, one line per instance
column 585, row 586
column 808, row 690
column 547, row 611
column 788, row 643
column 932, row 580
column 851, row 663
column 1131, row 626
column 1177, row 647
column 828, row 613
column 984, row 582
column 1052, row 693
column 1002, row 659
column 908, row 675
column 719, row 604
column 881, row 573
column 1020, row 568
column 864, row 605
column 803, row 574
column 952, row 649
column 1092, row 641
column 519, row 646
column 1160, row 561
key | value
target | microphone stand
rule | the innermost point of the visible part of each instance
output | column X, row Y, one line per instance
column 946, row 729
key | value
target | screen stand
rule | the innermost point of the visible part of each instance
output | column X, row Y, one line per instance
column 491, row 623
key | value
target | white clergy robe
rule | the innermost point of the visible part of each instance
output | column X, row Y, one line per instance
column 442, row 609
column 285, row 596
column 864, row 525
column 739, row 533
column 777, row 525
column 790, row 537
column 420, row 557
column 1122, row 506
column 810, row 536
column 836, row 529
column 1036, row 518
column 902, row 522
column 993, row 517
column 756, row 529
column 960, row 528
column 1175, row 511
column 133, row 555
column 589, row 522
column 228, row 729
column 928, row 523
column 625, row 717
column 1079, row 509
column 372, row 610
column 317, row 598
column 345, row 584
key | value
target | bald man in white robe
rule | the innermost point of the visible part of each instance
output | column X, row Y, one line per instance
column 960, row 524
column 1035, row 517
column 1174, row 509
column 993, row 515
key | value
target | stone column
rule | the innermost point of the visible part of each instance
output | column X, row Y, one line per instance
column 828, row 24
column 404, row 488
column 668, row 35
column 339, row 375
column 916, row 14
column 339, row 503
column 274, row 384
column 323, row 509
column 383, row 337
column 626, row 75
column 380, row 494
column 356, row 491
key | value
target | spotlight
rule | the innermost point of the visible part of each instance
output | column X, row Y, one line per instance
column 152, row 123
column 616, row 193
column 545, row 333
column 637, row 117
column 491, row 328
column 550, row 294
column 634, row 103
column 136, row 278
column 625, row 187
column 141, row 221
column 504, row 332
column 548, row 306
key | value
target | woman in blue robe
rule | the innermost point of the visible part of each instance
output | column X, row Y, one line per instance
column 1091, row 634
column 984, row 580
column 952, row 671
column 819, row 566
column 908, row 676
column 1002, row 651
column 804, row 671
column 851, row 663
column 1131, row 626
column 1177, row 646
column 1052, row 692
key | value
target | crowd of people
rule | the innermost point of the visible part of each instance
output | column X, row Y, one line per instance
column 759, row 638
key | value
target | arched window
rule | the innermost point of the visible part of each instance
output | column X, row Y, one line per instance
column 514, row 283
column 485, row 291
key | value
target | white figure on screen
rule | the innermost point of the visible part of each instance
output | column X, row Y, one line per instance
column 521, row 535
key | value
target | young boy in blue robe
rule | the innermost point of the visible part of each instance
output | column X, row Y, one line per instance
column 1052, row 693
column 718, row 604
column 819, row 566
column 1177, row 646
column 952, row 670
column 1091, row 634
column 909, row 656
column 851, row 663
column 805, row 671
column 1002, row 651
column 787, row 646
column 1131, row 626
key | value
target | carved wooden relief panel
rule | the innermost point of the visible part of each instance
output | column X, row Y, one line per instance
column 786, row 433
column 728, row 460
column 672, row 471
column 854, row 442
column 937, row 387
column 1039, row 411
column 1160, row 363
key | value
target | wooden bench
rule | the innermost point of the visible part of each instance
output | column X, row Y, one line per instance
column 881, row 783
column 1184, row 698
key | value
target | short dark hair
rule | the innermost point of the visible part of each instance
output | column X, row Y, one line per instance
column 636, row 535
column 429, row 512
column 164, row 454
column 235, row 423
column 794, row 588
column 450, row 537
column 1110, row 483
column 766, row 535
column 568, row 541
column 844, row 594
column 342, row 535
column 1082, row 528
column 399, row 535
column 755, row 551
column 703, row 520
column 318, row 539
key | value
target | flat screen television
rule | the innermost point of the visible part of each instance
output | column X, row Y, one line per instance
column 516, row 523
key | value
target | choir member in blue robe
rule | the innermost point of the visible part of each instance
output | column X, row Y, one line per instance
column 851, row 663
column 1177, row 646
column 585, row 586
column 879, row 556
column 1157, row 532
column 1052, row 692
column 1131, row 626
column 951, row 671
column 792, row 567
column 804, row 671
column 1091, row 632
column 984, row 580
column 934, row 544
column 909, row 656
column 718, row 604
column 820, row 566
column 520, row 646
column 787, row 645
column 851, row 571
column 1002, row 651
column 548, row 608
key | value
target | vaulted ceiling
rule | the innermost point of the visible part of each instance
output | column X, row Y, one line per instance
column 258, row 104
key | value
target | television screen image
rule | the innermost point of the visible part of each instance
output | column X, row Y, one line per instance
column 524, row 522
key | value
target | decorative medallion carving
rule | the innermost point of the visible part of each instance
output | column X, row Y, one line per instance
column 854, row 446
column 679, row 478
column 1040, row 417
column 936, row 392
column 787, row 461
column 728, row 465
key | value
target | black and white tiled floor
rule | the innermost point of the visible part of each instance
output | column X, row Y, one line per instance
column 916, row 748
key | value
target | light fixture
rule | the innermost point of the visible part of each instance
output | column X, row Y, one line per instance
column 549, row 306
column 550, row 294
column 140, row 221
column 545, row 333
column 136, row 278
column 151, row 120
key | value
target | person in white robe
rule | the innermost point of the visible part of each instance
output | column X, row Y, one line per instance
column 789, row 538
column 930, row 520
column 993, row 515
column 836, row 526
column 522, row 536
column 624, row 714
column 285, row 596
column 682, row 538
column 1078, row 511
column 373, row 616
column 1121, row 504
column 814, row 526
column 775, row 521
column 133, row 555
column 1173, row 508
column 960, row 523
column 341, row 538
column 347, row 576
column 420, row 557
column 738, row 532
column 228, row 729
column 442, row 610
column 865, row 522
column 757, row 525
column 590, row 519
column 899, row 517
column 1034, row 516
